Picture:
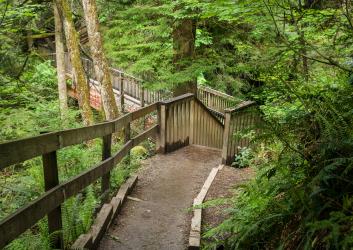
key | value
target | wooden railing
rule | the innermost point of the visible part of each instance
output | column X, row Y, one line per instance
column 243, row 117
column 186, row 120
column 181, row 121
column 46, row 145
column 214, row 99
column 131, row 88
column 125, row 86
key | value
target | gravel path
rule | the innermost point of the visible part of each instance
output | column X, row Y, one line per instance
column 167, row 186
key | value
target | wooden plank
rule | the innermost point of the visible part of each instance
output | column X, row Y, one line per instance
column 13, row 152
column 85, row 241
column 106, row 153
column 241, row 106
column 51, row 180
column 187, row 119
column 100, row 224
column 162, row 129
column 24, row 218
column 215, row 92
column 179, row 98
column 195, row 229
column 201, row 196
column 122, row 93
column 151, row 132
column 202, row 106
column 144, row 111
column 20, row 150
column 226, row 138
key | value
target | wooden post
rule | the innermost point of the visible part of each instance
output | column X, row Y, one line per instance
column 226, row 135
column 162, row 128
column 142, row 96
column 51, row 179
column 192, row 120
column 127, row 137
column 122, row 93
column 142, row 105
column 106, row 153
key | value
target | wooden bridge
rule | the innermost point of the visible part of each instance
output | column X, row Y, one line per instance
column 180, row 122
column 131, row 93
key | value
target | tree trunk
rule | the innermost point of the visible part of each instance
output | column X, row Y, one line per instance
column 100, row 63
column 60, row 63
column 78, row 73
column 184, row 32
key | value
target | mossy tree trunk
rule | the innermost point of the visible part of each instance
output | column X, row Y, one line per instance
column 60, row 63
column 184, row 32
column 100, row 63
column 78, row 73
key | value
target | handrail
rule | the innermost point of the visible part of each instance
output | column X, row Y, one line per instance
column 209, row 112
column 178, row 98
column 46, row 143
column 243, row 116
column 181, row 121
column 214, row 99
column 240, row 106
column 216, row 92
column 26, row 217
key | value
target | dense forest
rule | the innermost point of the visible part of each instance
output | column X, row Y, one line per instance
column 294, row 58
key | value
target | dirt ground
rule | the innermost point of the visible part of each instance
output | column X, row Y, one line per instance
column 222, row 186
column 167, row 186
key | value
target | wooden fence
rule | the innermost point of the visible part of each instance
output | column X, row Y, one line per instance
column 240, row 119
column 181, row 121
column 186, row 120
column 46, row 145
column 214, row 99
column 129, row 87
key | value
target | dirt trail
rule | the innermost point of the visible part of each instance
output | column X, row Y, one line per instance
column 167, row 186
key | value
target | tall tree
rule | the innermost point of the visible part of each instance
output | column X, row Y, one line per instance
column 100, row 63
column 60, row 63
column 184, row 33
column 78, row 73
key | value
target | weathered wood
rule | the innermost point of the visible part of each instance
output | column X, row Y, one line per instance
column 241, row 106
column 151, row 132
column 106, row 153
column 226, row 133
column 100, row 224
column 162, row 129
column 179, row 98
column 16, row 223
column 201, row 196
column 20, row 150
column 24, row 218
column 144, row 111
column 51, row 180
column 122, row 93
column 195, row 229
column 85, row 241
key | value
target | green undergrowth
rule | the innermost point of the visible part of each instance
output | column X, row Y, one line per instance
column 301, row 197
column 29, row 109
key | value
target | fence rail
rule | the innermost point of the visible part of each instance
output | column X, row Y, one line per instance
column 214, row 99
column 181, row 121
column 243, row 117
column 129, row 87
column 46, row 145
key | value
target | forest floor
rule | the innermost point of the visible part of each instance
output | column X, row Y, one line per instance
column 223, row 186
column 166, row 188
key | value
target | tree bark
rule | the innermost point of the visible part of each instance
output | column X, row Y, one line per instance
column 60, row 63
column 184, row 33
column 101, row 67
column 78, row 73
